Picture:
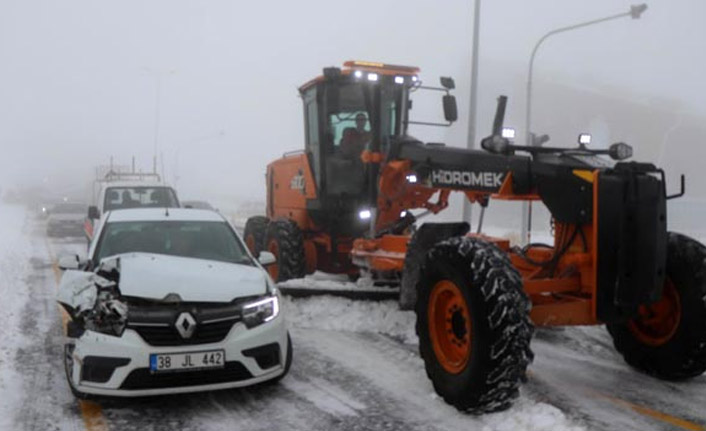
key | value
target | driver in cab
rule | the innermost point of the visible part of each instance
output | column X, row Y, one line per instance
column 355, row 138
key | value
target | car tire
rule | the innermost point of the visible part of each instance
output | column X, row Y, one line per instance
column 286, row 243
column 668, row 339
column 254, row 233
column 473, row 325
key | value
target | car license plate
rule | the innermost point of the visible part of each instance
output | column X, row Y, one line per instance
column 187, row 361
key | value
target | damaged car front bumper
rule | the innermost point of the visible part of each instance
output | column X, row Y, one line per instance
column 125, row 365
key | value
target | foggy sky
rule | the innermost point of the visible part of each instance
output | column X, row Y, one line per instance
column 78, row 78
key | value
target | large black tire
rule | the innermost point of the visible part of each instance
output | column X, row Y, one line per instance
column 285, row 241
column 674, row 348
column 255, row 232
column 422, row 240
column 487, row 319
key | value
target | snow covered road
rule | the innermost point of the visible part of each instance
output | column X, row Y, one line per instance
column 355, row 368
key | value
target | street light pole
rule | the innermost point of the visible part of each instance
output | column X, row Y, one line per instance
column 157, row 102
column 158, row 75
column 634, row 12
column 474, row 97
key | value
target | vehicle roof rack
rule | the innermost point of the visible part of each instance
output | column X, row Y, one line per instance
column 113, row 173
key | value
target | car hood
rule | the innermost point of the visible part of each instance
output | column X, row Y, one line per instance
column 154, row 276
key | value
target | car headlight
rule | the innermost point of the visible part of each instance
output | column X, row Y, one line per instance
column 260, row 311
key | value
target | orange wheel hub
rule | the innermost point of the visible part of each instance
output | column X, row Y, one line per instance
column 273, row 269
column 449, row 326
column 657, row 323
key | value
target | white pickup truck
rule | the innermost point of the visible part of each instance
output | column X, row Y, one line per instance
column 122, row 194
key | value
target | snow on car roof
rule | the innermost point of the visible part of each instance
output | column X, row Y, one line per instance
column 160, row 214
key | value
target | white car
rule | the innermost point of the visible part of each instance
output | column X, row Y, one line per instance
column 170, row 301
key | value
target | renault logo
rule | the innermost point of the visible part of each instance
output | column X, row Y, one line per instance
column 185, row 325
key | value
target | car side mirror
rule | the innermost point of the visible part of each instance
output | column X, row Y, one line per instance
column 69, row 262
column 93, row 212
column 450, row 109
column 266, row 258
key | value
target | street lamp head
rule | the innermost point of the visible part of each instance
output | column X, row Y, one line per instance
column 637, row 10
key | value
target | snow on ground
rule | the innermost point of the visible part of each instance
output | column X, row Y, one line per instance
column 14, row 268
column 340, row 314
column 530, row 415
column 399, row 373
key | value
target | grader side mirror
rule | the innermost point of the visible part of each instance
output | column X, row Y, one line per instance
column 447, row 82
column 450, row 109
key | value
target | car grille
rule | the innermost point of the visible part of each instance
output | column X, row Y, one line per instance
column 168, row 335
column 156, row 324
column 143, row 378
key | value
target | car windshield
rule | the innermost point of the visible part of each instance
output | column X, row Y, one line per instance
column 139, row 197
column 210, row 240
column 69, row 209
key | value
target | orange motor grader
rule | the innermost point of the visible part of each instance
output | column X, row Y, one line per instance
column 344, row 204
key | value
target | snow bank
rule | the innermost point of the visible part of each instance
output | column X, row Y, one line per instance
column 14, row 268
column 340, row 314
column 528, row 415
column 335, row 282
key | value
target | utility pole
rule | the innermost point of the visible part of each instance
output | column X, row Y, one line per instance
column 158, row 75
column 472, row 116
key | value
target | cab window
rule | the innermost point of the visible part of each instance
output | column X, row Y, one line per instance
column 139, row 197
column 339, row 122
